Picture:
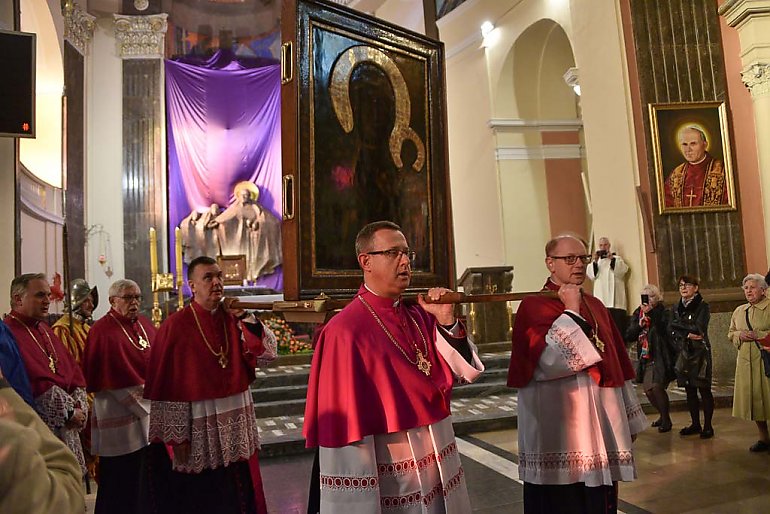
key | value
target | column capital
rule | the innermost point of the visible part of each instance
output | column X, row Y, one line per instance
column 756, row 77
column 78, row 25
column 736, row 12
column 140, row 37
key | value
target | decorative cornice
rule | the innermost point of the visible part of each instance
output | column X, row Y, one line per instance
column 736, row 12
column 78, row 25
column 140, row 37
column 536, row 153
column 515, row 124
column 756, row 77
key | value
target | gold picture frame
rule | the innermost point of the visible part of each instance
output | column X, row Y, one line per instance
column 693, row 161
column 233, row 269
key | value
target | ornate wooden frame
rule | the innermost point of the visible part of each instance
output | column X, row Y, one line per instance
column 324, row 47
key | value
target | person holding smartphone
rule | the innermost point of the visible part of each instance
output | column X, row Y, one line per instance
column 689, row 331
column 608, row 272
column 648, row 328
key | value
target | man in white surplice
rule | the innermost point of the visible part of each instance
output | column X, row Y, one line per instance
column 578, row 411
column 378, row 402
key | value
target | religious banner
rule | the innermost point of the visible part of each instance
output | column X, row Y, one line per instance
column 693, row 166
column 363, row 117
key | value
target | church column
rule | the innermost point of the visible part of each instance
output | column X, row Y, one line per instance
column 140, row 44
column 78, row 33
column 751, row 18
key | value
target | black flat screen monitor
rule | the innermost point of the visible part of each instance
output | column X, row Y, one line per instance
column 17, row 88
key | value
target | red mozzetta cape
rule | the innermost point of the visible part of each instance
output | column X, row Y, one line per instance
column 361, row 384
column 110, row 361
column 534, row 318
column 181, row 367
column 68, row 375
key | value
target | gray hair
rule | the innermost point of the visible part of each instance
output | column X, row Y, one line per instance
column 653, row 292
column 118, row 286
column 19, row 284
column 757, row 278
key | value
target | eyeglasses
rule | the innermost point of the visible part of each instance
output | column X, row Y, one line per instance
column 572, row 259
column 396, row 253
column 130, row 298
column 686, row 284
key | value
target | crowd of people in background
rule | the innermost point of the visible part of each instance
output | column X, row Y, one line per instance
column 174, row 429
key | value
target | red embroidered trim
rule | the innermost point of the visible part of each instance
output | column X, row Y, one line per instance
column 341, row 482
column 569, row 348
column 575, row 460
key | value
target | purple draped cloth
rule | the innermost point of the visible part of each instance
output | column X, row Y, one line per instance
column 224, row 126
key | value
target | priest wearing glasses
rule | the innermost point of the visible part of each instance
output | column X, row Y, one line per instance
column 378, row 402
column 58, row 386
column 201, row 364
column 114, row 364
column 578, row 411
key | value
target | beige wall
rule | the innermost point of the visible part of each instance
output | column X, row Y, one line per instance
column 104, row 197
column 501, row 206
column 608, row 130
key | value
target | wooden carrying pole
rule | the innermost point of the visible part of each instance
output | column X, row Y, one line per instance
column 325, row 304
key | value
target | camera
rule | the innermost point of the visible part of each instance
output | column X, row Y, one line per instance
column 602, row 254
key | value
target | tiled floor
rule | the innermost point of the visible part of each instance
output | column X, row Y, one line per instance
column 682, row 475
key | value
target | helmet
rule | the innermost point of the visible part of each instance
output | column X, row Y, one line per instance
column 79, row 291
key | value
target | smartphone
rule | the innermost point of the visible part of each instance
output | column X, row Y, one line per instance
column 645, row 299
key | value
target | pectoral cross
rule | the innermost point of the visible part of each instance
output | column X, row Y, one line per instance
column 691, row 196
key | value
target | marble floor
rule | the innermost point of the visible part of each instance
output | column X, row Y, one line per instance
column 676, row 474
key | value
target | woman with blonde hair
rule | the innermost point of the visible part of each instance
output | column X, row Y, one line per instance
column 656, row 355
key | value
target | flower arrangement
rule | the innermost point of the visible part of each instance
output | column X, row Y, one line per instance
column 288, row 343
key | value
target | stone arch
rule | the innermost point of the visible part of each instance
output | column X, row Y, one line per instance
column 42, row 155
column 536, row 118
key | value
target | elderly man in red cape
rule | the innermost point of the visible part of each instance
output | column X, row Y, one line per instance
column 58, row 386
column 578, row 413
column 378, row 401
column 198, row 377
column 114, row 364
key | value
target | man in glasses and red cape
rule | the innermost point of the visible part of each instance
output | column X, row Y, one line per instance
column 578, row 412
column 379, row 391
column 114, row 364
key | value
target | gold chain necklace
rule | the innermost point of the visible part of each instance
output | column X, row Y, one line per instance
column 422, row 363
column 53, row 358
column 222, row 353
column 597, row 342
column 144, row 342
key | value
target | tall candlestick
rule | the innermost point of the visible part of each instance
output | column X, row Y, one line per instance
column 179, row 269
column 153, row 252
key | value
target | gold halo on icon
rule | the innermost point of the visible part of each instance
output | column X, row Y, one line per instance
column 692, row 125
column 250, row 186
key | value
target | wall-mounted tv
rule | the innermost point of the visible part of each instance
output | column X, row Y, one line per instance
column 17, row 89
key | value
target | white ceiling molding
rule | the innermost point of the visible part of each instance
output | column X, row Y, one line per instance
column 538, row 153
column 512, row 124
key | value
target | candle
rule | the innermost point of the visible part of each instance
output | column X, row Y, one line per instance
column 178, row 246
column 153, row 252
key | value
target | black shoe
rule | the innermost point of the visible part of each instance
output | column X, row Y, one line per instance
column 656, row 423
column 759, row 446
column 665, row 427
column 707, row 433
column 691, row 430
